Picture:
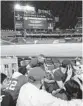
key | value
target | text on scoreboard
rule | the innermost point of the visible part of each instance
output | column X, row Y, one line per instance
column 35, row 23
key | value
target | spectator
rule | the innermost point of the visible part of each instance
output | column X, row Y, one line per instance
column 58, row 77
column 16, row 82
column 4, row 80
column 63, row 73
column 78, row 67
column 31, row 95
column 5, row 98
column 37, row 61
column 49, row 83
column 72, row 91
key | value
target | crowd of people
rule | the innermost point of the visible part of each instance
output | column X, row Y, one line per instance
column 36, row 85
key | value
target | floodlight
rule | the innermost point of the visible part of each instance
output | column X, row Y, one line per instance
column 29, row 8
column 17, row 7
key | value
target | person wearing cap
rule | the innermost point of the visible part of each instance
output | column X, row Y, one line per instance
column 72, row 89
column 37, row 61
column 16, row 82
column 63, row 74
column 58, row 77
column 37, row 66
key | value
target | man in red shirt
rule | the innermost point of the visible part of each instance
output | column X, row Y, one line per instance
column 16, row 82
column 61, row 75
column 37, row 61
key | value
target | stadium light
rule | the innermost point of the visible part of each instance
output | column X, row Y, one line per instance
column 17, row 7
column 29, row 8
column 24, row 8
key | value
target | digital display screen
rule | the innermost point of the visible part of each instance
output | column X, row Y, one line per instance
column 35, row 23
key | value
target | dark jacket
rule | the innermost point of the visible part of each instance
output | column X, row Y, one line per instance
column 7, row 99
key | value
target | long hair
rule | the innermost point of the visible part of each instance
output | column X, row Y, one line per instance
column 3, row 77
column 23, row 70
column 71, row 88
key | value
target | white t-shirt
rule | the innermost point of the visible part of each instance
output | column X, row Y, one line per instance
column 30, row 95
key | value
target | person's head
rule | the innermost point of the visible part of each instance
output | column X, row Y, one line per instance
column 23, row 70
column 3, row 81
column 77, row 61
column 73, row 90
column 41, row 58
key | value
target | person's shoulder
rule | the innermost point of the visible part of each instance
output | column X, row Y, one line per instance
column 23, row 77
column 16, row 75
column 38, row 68
column 57, row 70
column 26, row 87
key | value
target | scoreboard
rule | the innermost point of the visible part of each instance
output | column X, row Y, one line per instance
column 31, row 21
column 35, row 23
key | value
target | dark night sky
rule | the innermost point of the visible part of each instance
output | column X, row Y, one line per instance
column 67, row 11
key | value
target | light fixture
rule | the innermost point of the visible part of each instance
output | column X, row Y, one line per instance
column 29, row 8
column 17, row 7
column 24, row 8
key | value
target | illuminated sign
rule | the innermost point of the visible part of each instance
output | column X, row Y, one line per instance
column 35, row 23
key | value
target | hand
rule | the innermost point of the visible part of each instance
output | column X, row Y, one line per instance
column 42, row 81
column 69, row 73
column 1, row 98
column 69, row 67
column 55, row 91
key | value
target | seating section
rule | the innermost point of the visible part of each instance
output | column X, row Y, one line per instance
column 9, row 35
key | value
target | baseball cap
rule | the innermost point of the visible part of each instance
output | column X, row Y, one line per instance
column 65, row 63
